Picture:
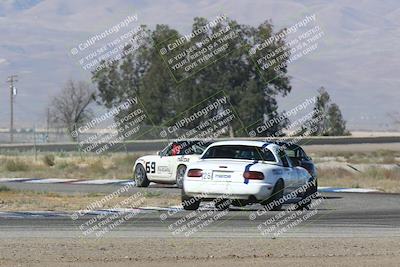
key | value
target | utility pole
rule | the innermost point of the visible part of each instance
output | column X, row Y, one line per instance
column 47, row 124
column 11, row 80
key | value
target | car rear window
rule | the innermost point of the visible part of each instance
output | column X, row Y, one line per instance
column 295, row 152
column 239, row 152
column 291, row 153
column 188, row 148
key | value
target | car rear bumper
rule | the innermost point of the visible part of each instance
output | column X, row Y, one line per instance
column 259, row 191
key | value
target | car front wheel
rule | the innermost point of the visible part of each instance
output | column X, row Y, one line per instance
column 141, row 176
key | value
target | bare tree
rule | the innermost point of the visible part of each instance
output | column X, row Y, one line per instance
column 70, row 107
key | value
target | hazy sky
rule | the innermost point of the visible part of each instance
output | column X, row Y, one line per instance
column 357, row 59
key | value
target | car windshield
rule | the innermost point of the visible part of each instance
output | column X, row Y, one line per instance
column 295, row 152
column 239, row 152
column 188, row 148
column 185, row 148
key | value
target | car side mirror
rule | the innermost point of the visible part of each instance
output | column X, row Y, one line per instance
column 159, row 153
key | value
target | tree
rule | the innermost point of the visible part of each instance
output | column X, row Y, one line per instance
column 143, row 73
column 327, row 118
column 337, row 126
column 71, row 107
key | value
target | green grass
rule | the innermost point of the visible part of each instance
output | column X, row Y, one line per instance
column 5, row 189
column 14, row 165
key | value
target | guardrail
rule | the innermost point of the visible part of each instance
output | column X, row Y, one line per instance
column 155, row 145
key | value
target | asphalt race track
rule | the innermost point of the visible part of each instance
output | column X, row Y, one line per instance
column 338, row 214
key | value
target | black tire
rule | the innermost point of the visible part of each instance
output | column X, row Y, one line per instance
column 190, row 203
column 306, row 199
column 180, row 173
column 140, row 176
column 315, row 187
column 277, row 194
column 222, row 204
column 239, row 202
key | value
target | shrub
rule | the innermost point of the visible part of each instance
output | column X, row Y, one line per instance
column 49, row 160
column 14, row 165
column 62, row 165
column 97, row 166
column 4, row 189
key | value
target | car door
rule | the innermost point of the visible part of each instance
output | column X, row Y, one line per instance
column 289, row 173
column 159, row 167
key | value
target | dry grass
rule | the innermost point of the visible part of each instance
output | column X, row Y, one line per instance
column 386, row 180
column 372, row 157
column 21, row 200
column 119, row 166
column 60, row 165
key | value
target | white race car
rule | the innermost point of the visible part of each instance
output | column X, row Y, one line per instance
column 169, row 165
column 241, row 173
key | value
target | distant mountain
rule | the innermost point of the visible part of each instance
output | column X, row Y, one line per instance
column 357, row 59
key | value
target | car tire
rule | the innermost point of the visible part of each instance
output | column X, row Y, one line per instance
column 189, row 203
column 305, row 199
column 222, row 204
column 239, row 202
column 140, row 176
column 180, row 173
column 315, row 187
column 277, row 193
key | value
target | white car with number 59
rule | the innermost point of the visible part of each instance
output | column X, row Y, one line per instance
column 241, row 173
column 169, row 165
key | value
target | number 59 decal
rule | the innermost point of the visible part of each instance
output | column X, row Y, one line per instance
column 151, row 167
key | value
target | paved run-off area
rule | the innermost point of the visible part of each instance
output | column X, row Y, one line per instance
column 347, row 229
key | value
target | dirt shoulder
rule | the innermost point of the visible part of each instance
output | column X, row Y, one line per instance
column 200, row 252
column 24, row 200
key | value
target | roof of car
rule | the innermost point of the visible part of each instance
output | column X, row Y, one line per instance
column 241, row 143
column 289, row 145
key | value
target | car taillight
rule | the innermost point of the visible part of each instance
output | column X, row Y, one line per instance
column 195, row 173
column 252, row 175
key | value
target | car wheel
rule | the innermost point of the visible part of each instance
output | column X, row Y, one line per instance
column 180, row 173
column 239, row 202
column 277, row 194
column 141, row 176
column 223, row 204
column 189, row 203
column 315, row 187
column 306, row 197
